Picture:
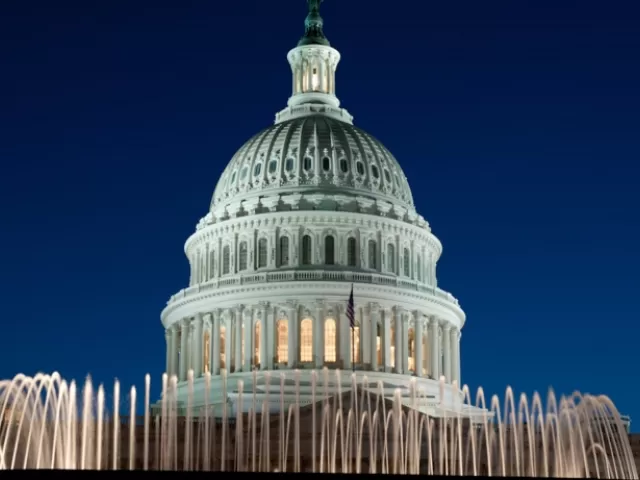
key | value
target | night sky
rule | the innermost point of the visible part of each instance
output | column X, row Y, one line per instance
column 516, row 122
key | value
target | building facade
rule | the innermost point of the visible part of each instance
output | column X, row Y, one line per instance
column 306, row 209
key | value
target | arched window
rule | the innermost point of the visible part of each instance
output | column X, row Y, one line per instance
column 223, row 346
column 262, row 253
column 329, row 250
column 307, row 164
column 273, row 165
column 352, row 256
column 212, row 263
column 360, row 168
column 225, row 260
column 242, row 256
column 256, row 348
column 330, row 340
column 257, row 169
column 306, row 340
column 391, row 258
column 288, row 165
column 419, row 268
column 306, row 250
column 375, row 172
column 412, row 351
column 373, row 254
column 282, row 346
column 407, row 263
column 206, row 342
column 326, row 164
column 344, row 165
column 284, row 251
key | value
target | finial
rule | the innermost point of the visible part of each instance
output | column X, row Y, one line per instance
column 313, row 34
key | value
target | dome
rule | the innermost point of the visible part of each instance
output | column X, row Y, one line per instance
column 309, row 154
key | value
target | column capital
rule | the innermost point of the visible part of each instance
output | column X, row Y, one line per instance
column 374, row 308
column 247, row 313
column 446, row 326
column 168, row 333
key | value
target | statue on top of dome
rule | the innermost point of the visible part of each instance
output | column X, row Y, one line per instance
column 314, row 5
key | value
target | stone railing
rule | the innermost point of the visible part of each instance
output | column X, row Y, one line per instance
column 313, row 275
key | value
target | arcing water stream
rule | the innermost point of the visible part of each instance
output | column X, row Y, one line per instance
column 46, row 422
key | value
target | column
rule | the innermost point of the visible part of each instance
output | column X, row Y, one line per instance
column 215, row 344
column 454, row 355
column 374, row 318
column 174, row 350
column 238, row 340
column 198, row 347
column 292, row 320
column 446, row 347
column 167, row 337
column 365, row 342
column 184, row 333
column 263, row 338
column 345, row 338
column 249, row 338
column 397, row 331
column 270, row 343
column 228, row 345
column 207, row 329
column 318, row 336
column 405, row 342
column 386, row 340
column 190, row 345
column 418, row 339
column 433, row 347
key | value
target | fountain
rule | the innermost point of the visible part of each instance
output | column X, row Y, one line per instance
column 47, row 423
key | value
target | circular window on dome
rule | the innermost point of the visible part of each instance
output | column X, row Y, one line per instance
column 360, row 168
column 326, row 164
column 257, row 169
column 387, row 176
column 288, row 165
column 307, row 163
column 273, row 165
column 344, row 165
column 243, row 173
column 375, row 172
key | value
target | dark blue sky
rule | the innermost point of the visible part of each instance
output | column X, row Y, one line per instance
column 516, row 124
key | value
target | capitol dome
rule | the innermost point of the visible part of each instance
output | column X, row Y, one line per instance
column 308, row 211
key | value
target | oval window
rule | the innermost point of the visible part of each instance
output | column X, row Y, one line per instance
column 289, row 164
column 257, row 169
column 374, row 172
column 233, row 178
column 360, row 168
column 326, row 164
column 344, row 165
column 243, row 173
column 307, row 163
column 273, row 165
column 387, row 177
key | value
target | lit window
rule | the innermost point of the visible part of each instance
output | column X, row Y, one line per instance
column 315, row 80
column 242, row 256
column 306, row 340
column 262, row 253
column 355, row 354
column 351, row 252
column 344, row 165
column 207, row 350
column 306, row 250
column 284, row 251
column 329, row 250
column 223, row 346
column 273, row 165
column 412, row 351
column 282, row 349
column 256, row 350
column 326, row 164
column 392, row 348
column 330, row 340
column 257, row 169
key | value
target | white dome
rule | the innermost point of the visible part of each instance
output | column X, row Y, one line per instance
column 313, row 154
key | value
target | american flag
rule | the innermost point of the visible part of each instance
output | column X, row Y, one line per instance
column 351, row 311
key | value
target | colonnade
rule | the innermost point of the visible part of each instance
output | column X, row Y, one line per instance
column 292, row 335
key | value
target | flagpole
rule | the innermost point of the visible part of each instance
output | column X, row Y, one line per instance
column 353, row 348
